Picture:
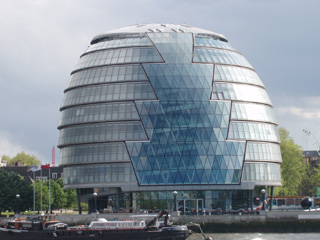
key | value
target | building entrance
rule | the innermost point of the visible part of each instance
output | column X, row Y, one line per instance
column 190, row 206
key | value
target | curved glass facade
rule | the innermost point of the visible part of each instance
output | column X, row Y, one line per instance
column 155, row 108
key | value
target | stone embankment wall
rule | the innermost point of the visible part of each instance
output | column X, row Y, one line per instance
column 275, row 221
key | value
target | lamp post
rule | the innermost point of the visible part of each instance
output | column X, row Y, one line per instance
column 263, row 191
column 18, row 207
column 95, row 201
column 175, row 193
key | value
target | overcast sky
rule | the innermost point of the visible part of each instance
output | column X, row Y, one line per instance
column 41, row 41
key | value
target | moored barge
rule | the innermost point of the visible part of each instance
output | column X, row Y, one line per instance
column 39, row 228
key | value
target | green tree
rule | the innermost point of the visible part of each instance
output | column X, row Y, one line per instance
column 308, row 181
column 58, row 196
column 293, row 167
column 26, row 159
column 71, row 198
column 5, row 158
column 315, row 180
column 11, row 185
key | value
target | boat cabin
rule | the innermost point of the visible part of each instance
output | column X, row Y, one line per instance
column 102, row 223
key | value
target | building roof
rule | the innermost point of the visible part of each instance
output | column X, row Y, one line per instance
column 311, row 153
column 157, row 27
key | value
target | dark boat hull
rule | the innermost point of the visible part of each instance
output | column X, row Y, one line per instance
column 131, row 234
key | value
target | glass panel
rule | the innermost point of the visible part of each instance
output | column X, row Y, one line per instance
column 211, row 42
column 106, row 173
column 263, row 152
column 120, row 43
column 107, row 74
column 108, row 92
column 236, row 74
column 99, row 113
column 117, row 56
column 261, row 172
column 107, row 152
column 240, row 92
column 211, row 55
column 252, row 112
column 253, row 131
column 118, row 131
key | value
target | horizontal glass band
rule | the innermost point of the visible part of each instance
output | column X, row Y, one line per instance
column 101, row 173
column 109, row 92
column 94, row 153
column 120, row 43
column 252, row 112
column 240, row 92
column 211, row 55
column 263, row 152
column 261, row 172
column 211, row 42
column 102, row 132
column 236, row 74
column 118, row 56
column 108, row 74
column 116, row 111
column 253, row 131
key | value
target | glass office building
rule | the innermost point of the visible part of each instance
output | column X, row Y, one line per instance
column 155, row 108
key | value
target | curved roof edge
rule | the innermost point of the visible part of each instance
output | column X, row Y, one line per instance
column 157, row 27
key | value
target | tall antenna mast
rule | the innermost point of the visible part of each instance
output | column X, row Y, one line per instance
column 53, row 156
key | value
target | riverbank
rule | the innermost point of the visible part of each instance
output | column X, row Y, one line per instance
column 274, row 221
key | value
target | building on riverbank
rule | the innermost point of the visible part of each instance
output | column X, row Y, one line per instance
column 154, row 109
column 26, row 173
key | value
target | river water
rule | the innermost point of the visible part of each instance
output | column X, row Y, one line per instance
column 259, row 236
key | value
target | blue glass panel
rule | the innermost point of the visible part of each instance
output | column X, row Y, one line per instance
column 186, row 155
column 174, row 48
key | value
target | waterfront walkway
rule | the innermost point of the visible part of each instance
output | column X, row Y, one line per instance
column 266, row 221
